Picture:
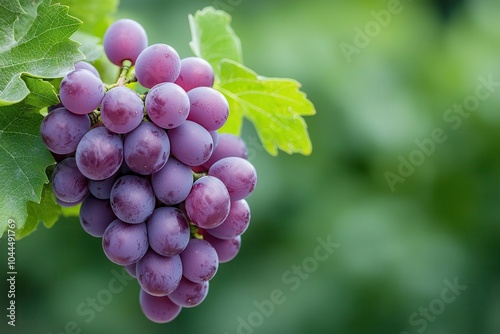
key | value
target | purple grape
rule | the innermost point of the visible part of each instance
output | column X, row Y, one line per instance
column 226, row 249
column 99, row 154
column 101, row 189
column 62, row 130
column 173, row 182
column 132, row 199
column 146, row 149
column 81, row 91
column 208, row 204
column 238, row 175
column 209, row 108
column 168, row 231
column 191, row 143
column 124, row 243
column 95, row 216
column 124, row 40
column 156, row 64
column 130, row 268
column 68, row 204
column 68, row 183
column 167, row 105
column 199, row 261
column 158, row 309
column 215, row 138
column 83, row 65
column 229, row 145
column 189, row 294
column 159, row 275
column 122, row 110
column 195, row 72
column 236, row 222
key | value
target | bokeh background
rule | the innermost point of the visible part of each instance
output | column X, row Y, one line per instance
column 399, row 249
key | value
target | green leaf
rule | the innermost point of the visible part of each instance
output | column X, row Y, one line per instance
column 40, row 48
column 23, row 160
column 273, row 105
column 95, row 14
column 90, row 45
column 46, row 212
column 213, row 39
column 42, row 93
column 9, row 13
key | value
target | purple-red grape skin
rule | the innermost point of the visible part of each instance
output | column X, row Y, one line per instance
column 167, row 105
column 156, row 64
column 146, row 148
column 158, row 309
column 195, row 72
column 96, row 215
column 200, row 261
column 124, row 243
column 62, row 130
column 168, row 231
column 81, row 91
column 68, row 183
column 124, row 40
column 191, row 143
column 208, row 203
column 238, row 175
column 132, row 199
column 159, row 275
column 208, row 107
column 122, row 110
column 99, row 154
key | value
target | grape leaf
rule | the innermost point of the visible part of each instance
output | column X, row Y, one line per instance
column 95, row 14
column 42, row 93
column 273, row 105
column 40, row 48
column 23, row 160
column 213, row 39
column 46, row 212
column 90, row 45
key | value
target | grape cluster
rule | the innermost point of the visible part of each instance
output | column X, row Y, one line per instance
column 155, row 179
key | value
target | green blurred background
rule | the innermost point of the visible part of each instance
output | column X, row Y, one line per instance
column 400, row 248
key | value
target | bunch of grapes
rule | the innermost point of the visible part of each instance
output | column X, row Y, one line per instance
column 155, row 179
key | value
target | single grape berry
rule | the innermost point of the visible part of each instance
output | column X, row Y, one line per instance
column 132, row 199
column 124, row 40
column 68, row 183
column 238, row 175
column 83, row 65
column 124, row 243
column 146, row 149
column 195, row 72
column 122, row 110
column 168, row 231
column 209, row 108
column 156, row 64
column 236, row 222
column 199, row 261
column 81, row 91
column 159, row 275
column 99, row 154
column 208, row 203
column 173, row 182
column 167, row 105
column 62, row 130
column 96, row 215
column 158, row 309
column 191, row 143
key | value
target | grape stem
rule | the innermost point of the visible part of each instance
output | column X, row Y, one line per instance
column 125, row 77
